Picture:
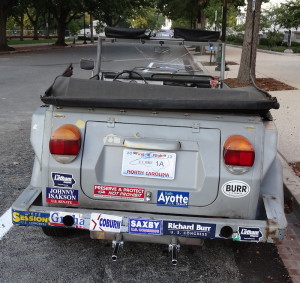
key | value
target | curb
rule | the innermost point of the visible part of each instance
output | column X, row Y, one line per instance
column 33, row 48
column 291, row 185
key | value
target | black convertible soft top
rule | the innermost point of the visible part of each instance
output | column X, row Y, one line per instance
column 75, row 92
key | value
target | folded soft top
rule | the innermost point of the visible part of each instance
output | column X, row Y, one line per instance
column 104, row 94
column 196, row 34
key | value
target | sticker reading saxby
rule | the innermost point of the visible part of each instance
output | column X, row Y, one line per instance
column 235, row 189
column 142, row 226
column 148, row 164
column 102, row 191
column 105, row 223
column 61, row 196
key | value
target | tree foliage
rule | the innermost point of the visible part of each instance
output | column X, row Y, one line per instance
column 289, row 14
column 147, row 17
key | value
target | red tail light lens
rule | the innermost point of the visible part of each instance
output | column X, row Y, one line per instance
column 65, row 143
column 238, row 152
column 64, row 147
column 239, row 158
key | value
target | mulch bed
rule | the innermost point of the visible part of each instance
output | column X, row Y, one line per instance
column 267, row 84
column 216, row 64
column 296, row 167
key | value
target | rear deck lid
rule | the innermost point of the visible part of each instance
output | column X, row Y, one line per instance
column 154, row 164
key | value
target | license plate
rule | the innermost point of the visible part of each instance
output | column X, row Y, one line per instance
column 148, row 164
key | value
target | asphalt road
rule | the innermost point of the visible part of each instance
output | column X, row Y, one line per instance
column 27, row 255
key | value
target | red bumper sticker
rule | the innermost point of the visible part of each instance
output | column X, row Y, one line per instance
column 102, row 191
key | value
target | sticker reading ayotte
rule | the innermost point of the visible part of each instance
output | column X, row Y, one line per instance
column 172, row 198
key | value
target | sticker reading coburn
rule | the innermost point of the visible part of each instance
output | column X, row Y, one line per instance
column 105, row 223
column 148, row 164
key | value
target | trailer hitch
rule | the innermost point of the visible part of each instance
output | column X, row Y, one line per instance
column 116, row 245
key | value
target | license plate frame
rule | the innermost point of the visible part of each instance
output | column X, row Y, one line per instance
column 148, row 164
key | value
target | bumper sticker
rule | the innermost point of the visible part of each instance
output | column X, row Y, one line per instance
column 63, row 180
column 61, row 196
column 189, row 229
column 28, row 218
column 56, row 219
column 142, row 226
column 102, row 191
column 248, row 234
column 105, row 223
column 169, row 198
column 235, row 189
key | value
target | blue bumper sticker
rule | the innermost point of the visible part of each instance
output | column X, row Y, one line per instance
column 28, row 218
column 172, row 198
column 142, row 226
column 63, row 180
column 189, row 229
column 248, row 234
column 61, row 196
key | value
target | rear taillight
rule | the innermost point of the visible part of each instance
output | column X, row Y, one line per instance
column 238, row 154
column 65, row 143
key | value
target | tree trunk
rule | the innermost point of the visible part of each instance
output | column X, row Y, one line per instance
column 224, row 20
column 61, row 32
column 35, row 30
column 3, row 40
column 248, row 58
column 22, row 27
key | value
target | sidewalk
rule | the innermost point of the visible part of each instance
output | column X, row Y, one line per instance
column 284, row 68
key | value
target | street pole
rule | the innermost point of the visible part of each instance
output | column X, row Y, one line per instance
column 84, row 37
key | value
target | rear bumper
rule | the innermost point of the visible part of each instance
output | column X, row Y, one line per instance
column 146, row 227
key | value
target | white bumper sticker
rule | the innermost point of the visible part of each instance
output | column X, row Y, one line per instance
column 105, row 223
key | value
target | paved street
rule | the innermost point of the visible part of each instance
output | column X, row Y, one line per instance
column 23, row 78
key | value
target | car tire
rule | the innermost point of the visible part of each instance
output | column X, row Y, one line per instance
column 57, row 231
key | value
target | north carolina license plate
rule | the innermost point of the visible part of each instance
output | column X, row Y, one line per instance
column 148, row 164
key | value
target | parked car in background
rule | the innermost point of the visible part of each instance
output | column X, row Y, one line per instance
column 165, row 33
